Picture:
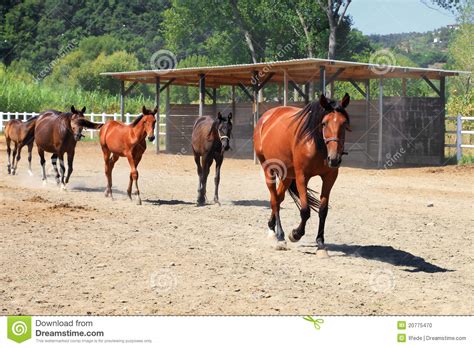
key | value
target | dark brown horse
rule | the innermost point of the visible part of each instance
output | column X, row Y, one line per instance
column 58, row 133
column 294, row 145
column 210, row 139
column 21, row 134
column 120, row 140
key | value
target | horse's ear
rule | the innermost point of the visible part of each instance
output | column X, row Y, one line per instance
column 345, row 100
column 144, row 110
column 83, row 109
column 325, row 103
column 73, row 109
column 230, row 116
column 219, row 116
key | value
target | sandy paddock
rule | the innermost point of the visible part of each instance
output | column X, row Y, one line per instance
column 400, row 243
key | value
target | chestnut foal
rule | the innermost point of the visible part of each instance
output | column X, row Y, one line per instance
column 120, row 140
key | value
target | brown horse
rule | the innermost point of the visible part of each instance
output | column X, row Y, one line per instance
column 210, row 139
column 120, row 140
column 21, row 133
column 294, row 145
column 58, row 133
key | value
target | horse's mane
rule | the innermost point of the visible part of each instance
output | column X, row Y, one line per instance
column 309, row 120
column 138, row 119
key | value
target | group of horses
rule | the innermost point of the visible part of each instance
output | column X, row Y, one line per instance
column 307, row 141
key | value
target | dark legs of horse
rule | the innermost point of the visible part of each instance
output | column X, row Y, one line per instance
column 328, row 182
column 30, row 150
column 54, row 162
column 70, row 161
column 276, row 197
column 134, row 161
column 9, row 151
column 109, row 166
column 219, row 159
column 206, row 162
column 62, row 170
column 197, row 160
column 18, row 148
column 15, row 150
column 305, row 212
column 43, row 163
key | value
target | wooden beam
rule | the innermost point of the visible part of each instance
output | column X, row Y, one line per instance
column 334, row 76
column 157, row 124
column 245, row 90
column 431, row 85
column 170, row 81
column 299, row 90
column 202, row 93
column 209, row 94
column 356, row 86
column 264, row 82
column 322, row 80
column 130, row 88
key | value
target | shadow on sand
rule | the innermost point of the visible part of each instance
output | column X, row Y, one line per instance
column 252, row 203
column 385, row 254
column 167, row 202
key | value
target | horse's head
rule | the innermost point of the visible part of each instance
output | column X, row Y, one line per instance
column 149, row 121
column 76, row 125
column 333, row 127
column 224, row 128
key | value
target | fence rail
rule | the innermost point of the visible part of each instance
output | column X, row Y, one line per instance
column 459, row 133
column 93, row 117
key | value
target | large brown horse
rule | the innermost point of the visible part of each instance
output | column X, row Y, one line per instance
column 120, row 140
column 58, row 133
column 21, row 134
column 210, row 139
column 294, row 145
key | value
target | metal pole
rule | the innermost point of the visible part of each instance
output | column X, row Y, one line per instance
column 442, row 92
column 157, row 124
column 367, row 118
column 214, row 100
column 122, row 101
column 255, row 108
column 285, row 88
column 233, row 113
column 458, row 138
column 379, row 157
column 167, row 112
column 202, row 93
column 322, row 79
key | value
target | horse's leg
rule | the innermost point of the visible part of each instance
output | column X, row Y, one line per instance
column 108, row 172
column 9, row 151
column 15, row 149
column 281, row 190
column 197, row 160
column 30, row 150
column 63, row 170
column 18, row 157
column 133, row 177
column 43, row 163
column 301, row 185
column 275, row 202
column 219, row 159
column 70, row 164
column 328, row 182
column 206, row 162
column 137, row 160
column 54, row 161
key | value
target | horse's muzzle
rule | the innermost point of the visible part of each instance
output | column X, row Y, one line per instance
column 334, row 162
column 152, row 138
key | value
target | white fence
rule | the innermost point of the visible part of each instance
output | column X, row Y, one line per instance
column 100, row 118
column 459, row 133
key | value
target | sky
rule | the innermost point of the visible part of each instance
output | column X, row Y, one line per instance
column 397, row 16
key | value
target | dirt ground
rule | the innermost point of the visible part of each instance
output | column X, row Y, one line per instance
column 400, row 242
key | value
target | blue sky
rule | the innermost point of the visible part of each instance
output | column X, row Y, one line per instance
column 397, row 16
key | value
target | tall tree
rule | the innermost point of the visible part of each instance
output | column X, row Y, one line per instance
column 335, row 11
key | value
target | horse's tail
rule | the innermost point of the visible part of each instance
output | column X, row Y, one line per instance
column 313, row 201
column 88, row 124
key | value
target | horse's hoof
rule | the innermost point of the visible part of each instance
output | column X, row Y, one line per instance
column 294, row 238
column 322, row 254
column 271, row 234
column 281, row 245
column 63, row 187
column 30, row 173
column 45, row 182
column 216, row 201
column 139, row 201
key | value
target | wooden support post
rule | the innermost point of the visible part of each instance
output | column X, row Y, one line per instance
column 322, row 80
column 167, row 119
column 442, row 94
column 404, row 87
column 367, row 119
column 122, row 101
column 214, row 100
column 306, row 92
column 380, row 136
column 157, row 124
column 202, row 93
column 285, row 88
column 233, row 113
column 255, row 107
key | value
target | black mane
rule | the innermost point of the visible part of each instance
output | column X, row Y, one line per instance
column 138, row 119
